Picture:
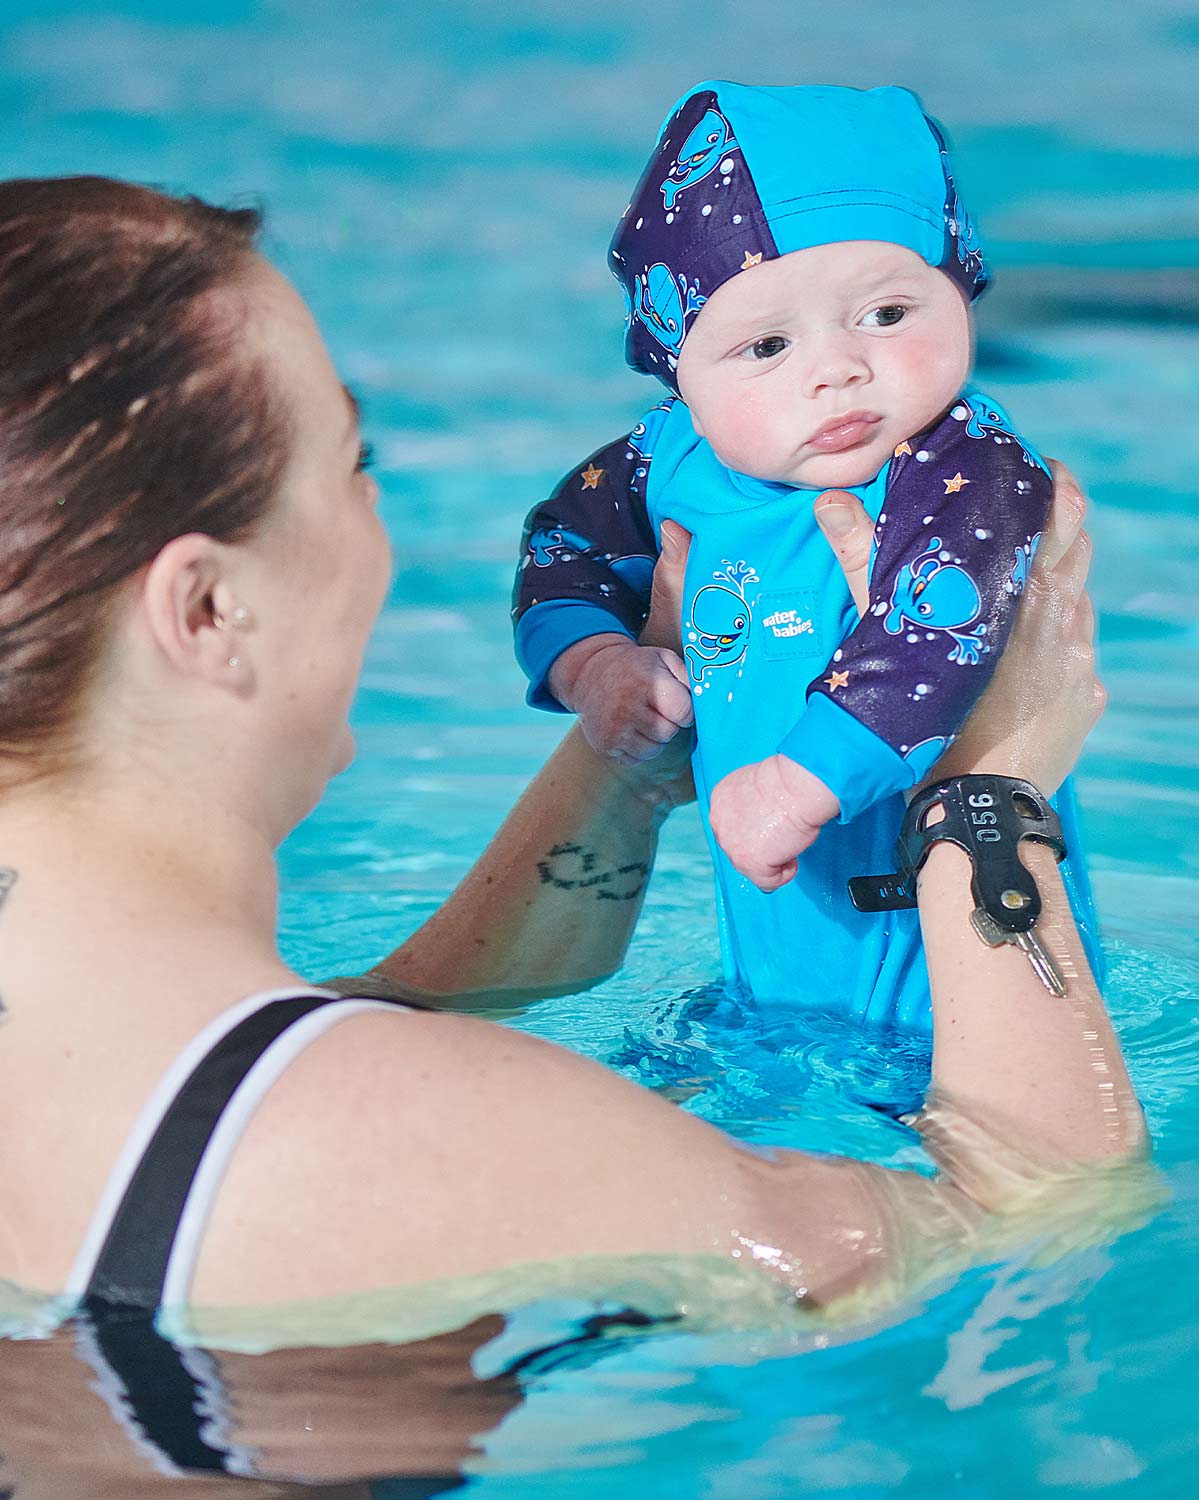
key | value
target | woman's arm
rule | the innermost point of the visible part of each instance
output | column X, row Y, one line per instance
column 1037, row 1068
column 550, row 905
column 1044, row 1073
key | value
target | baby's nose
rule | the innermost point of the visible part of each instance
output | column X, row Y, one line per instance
column 834, row 362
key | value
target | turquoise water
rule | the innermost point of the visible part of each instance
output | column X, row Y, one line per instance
column 441, row 182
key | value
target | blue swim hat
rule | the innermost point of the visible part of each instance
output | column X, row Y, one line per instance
column 744, row 174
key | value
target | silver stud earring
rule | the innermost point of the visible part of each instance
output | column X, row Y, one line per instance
column 237, row 617
column 234, row 661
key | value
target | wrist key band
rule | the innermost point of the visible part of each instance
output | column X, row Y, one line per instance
column 987, row 817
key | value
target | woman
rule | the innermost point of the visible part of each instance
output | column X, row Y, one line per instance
column 192, row 562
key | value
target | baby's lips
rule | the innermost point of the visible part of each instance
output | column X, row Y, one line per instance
column 845, row 432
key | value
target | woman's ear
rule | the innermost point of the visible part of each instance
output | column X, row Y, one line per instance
column 191, row 613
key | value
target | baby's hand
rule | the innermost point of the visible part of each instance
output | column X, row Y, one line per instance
column 631, row 700
column 765, row 815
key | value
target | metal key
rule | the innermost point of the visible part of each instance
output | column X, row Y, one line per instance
column 1042, row 960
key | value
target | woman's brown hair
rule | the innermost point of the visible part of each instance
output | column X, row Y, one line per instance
column 130, row 413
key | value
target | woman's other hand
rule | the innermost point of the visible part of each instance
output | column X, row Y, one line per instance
column 670, row 771
column 664, row 623
column 1044, row 698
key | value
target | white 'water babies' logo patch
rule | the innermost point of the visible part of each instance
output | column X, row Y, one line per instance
column 788, row 625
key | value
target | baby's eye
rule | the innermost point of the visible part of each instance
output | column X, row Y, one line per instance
column 767, row 348
column 366, row 456
column 885, row 316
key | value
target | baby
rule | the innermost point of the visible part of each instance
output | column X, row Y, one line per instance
column 798, row 271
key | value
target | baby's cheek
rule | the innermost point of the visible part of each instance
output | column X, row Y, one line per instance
column 932, row 371
column 748, row 423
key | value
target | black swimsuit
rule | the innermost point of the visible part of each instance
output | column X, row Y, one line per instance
column 140, row 1250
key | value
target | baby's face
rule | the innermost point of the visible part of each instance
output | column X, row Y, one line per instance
column 811, row 369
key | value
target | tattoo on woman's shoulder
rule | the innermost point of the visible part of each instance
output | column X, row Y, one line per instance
column 574, row 867
column 8, row 878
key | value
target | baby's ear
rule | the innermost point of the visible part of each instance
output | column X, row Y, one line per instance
column 849, row 531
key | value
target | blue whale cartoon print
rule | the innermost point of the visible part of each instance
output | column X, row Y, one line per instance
column 1018, row 578
column 966, row 243
column 548, row 543
column 664, row 302
column 965, row 235
column 643, row 438
column 930, row 594
column 984, row 419
column 924, row 756
column 637, row 570
column 720, row 622
column 698, row 156
column 967, row 247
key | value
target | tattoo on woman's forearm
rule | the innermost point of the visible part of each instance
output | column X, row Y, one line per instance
column 574, row 867
column 8, row 878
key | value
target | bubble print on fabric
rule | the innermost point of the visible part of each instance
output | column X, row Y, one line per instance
column 695, row 206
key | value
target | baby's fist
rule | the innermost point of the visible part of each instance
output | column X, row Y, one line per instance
column 631, row 700
column 765, row 815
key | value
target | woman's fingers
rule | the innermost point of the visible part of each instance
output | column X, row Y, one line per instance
column 657, row 728
column 1044, row 697
column 1073, row 569
column 670, row 693
column 849, row 531
column 1066, row 516
column 663, row 626
column 643, row 744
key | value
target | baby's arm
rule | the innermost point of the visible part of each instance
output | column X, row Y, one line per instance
column 582, row 595
column 963, row 513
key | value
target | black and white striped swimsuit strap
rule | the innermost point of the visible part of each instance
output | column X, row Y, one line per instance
column 140, row 1249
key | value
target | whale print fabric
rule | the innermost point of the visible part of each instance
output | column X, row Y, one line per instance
column 587, row 557
column 964, row 507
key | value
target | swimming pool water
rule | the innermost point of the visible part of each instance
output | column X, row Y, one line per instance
column 441, row 182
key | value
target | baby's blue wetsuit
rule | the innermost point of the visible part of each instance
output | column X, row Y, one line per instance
column 776, row 657
column 767, row 622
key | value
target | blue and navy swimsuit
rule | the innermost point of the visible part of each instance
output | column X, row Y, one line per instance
column 779, row 662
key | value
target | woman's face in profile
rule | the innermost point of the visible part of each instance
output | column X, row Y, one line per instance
column 322, row 558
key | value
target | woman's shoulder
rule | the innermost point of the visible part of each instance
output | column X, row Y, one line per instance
column 405, row 1145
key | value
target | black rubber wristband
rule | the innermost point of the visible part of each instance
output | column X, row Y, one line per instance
column 986, row 816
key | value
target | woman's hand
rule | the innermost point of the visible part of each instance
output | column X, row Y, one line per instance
column 664, row 623
column 1044, row 698
column 668, row 773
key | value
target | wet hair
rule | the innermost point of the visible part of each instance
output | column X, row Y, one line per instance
column 131, row 412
